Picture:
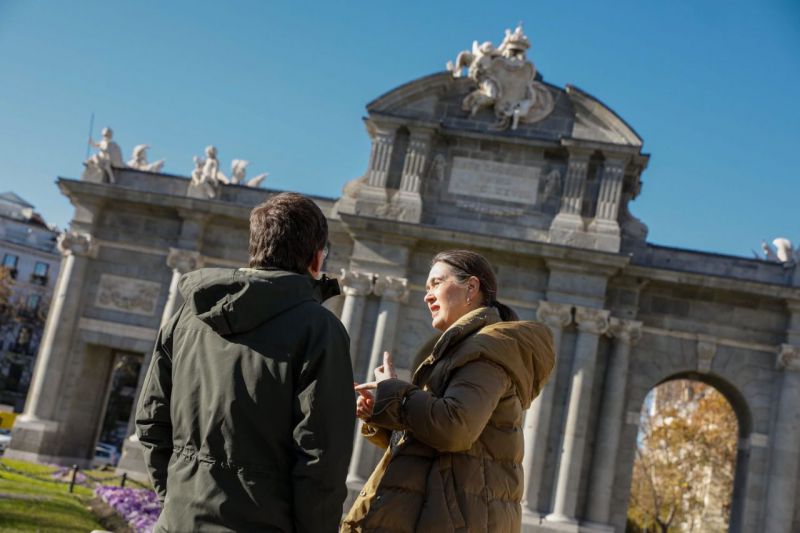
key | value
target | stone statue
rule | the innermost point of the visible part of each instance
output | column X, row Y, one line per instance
column 100, row 166
column 239, row 171
column 784, row 250
column 211, row 171
column 505, row 80
column 206, row 175
column 139, row 160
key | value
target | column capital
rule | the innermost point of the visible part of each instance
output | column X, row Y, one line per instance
column 391, row 288
column 183, row 260
column 788, row 357
column 356, row 283
column 591, row 320
column 77, row 243
column 706, row 350
column 627, row 331
column 554, row 314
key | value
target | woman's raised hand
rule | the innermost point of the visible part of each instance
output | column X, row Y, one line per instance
column 383, row 372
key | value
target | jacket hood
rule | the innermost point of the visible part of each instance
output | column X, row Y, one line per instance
column 236, row 301
column 523, row 348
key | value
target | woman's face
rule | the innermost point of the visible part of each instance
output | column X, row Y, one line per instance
column 447, row 298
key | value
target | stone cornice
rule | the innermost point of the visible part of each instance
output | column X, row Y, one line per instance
column 712, row 281
column 362, row 225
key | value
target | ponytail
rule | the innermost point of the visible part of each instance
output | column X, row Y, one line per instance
column 506, row 313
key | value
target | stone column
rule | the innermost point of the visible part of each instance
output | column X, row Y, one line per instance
column 608, row 201
column 393, row 291
column 55, row 348
column 77, row 249
column 355, row 286
column 380, row 157
column 591, row 324
column 537, row 421
column 180, row 261
column 785, row 452
column 626, row 333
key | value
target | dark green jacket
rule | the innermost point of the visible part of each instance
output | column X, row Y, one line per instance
column 247, row 412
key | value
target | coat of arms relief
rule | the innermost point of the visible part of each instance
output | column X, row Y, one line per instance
column 505, row 80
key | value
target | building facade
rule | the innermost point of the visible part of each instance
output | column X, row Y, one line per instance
column 29, row 256
column 536, row 177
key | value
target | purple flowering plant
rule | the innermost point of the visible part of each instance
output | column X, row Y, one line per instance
column 139, row 507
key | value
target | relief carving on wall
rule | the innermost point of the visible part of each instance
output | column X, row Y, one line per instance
column 128, row 295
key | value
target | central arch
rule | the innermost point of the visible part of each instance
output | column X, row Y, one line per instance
column 741, row 410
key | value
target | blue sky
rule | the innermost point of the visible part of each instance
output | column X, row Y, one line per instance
column 711, row 86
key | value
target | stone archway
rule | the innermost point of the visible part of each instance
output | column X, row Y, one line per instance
column 707, row 484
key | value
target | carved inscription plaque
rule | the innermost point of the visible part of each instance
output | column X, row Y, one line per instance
column 128, row 295
column 496, row 181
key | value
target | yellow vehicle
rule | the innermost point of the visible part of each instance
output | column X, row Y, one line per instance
column 7, row 419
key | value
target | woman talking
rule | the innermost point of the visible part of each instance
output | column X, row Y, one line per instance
column 454, row 434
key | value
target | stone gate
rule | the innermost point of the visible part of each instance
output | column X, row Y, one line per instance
column 539, row 179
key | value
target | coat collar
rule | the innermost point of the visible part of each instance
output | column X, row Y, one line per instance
column 461, row 328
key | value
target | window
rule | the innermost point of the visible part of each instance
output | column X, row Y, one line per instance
column 32, row 304
column 40, row 273
column 10, row 262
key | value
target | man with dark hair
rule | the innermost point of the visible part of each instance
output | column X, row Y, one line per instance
column 247, row 412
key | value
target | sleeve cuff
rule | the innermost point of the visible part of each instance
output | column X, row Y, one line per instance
column 389, row 402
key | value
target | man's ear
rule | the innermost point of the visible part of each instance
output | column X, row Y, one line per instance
column 315, row 268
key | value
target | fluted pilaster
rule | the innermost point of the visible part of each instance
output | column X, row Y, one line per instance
column 380, row 157
column 415, row 161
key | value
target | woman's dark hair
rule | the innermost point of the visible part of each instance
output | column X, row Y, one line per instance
column 285, row 232
column 466, row 264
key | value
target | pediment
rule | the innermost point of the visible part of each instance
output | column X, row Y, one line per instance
column 437, row 100
column 594, row 121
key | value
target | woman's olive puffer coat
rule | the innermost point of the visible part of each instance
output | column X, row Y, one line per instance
column 454, row 436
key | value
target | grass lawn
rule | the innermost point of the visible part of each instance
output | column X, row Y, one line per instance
column 32, row 505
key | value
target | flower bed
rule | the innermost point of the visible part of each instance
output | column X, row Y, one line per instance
column 139, row 507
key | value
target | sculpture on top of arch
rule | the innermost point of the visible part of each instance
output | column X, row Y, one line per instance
column 505, row 80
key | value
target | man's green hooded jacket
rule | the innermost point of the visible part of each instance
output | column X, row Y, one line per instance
column 247, row 412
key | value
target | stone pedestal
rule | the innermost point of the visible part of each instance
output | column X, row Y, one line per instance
column 591, row 324
column 37, row 431
column 537, row 421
